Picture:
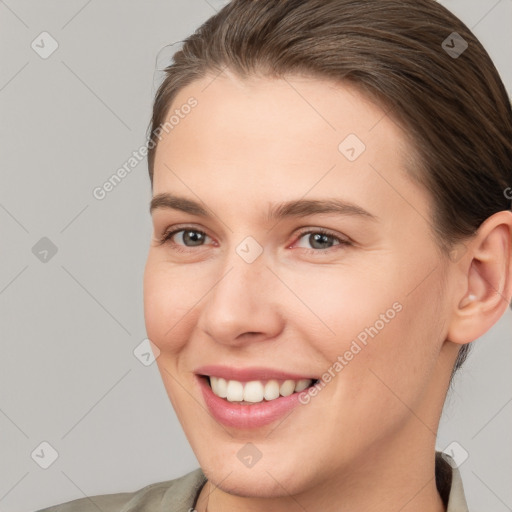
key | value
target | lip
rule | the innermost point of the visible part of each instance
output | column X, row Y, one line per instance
column 248, row 374
column 242, row 416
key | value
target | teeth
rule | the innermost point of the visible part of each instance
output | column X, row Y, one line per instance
column 235, row 391
column 219, row 386
column 287, row 388
column 271, row 390
column 255, row 391
column 302, row 385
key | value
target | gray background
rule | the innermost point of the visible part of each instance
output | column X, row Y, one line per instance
column 69, row 325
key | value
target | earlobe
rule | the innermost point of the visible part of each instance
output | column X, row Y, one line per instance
column 487, row 280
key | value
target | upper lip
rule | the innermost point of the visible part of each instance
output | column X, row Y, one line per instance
column 248, row 374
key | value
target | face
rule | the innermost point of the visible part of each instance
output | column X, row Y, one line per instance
column 299, row 277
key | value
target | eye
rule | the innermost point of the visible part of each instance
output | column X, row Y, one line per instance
column 321, row 239
column 189, row 236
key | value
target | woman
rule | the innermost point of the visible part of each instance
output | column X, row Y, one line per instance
column 332, row 229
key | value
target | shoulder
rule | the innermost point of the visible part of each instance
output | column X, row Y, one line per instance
column 172, row 495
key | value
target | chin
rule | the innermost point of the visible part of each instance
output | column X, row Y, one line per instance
column 252, row 483
column 272, row 476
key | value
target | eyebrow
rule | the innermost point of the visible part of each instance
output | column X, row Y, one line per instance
column 295, row 208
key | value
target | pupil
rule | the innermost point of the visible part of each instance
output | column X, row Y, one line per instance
column 192, row 236
column 320, row 238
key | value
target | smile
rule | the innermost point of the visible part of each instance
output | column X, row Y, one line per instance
column 248, row 398
column 255, row 391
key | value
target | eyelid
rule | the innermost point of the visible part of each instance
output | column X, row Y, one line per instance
column 170, row 231
column 342, row 240
column 325, row 231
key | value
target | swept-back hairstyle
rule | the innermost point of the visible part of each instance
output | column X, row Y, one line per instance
column 410, row 56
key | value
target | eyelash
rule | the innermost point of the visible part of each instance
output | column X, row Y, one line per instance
column 321, row 231
column 166, row 237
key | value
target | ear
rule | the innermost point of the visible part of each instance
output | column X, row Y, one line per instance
column 486, row 280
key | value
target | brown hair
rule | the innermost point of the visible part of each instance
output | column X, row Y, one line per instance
column 401, row 53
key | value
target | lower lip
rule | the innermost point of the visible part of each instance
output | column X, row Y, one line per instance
column 237, row 415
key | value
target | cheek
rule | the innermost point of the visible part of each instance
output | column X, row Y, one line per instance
column 395, row 365
column 374, row 321
column 346, row 304
column 170, row 294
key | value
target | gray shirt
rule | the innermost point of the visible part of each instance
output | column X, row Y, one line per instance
column 180, row 494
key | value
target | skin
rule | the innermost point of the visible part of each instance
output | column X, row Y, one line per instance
column 367, row 440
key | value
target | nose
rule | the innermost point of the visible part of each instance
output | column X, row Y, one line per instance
column 243, row 305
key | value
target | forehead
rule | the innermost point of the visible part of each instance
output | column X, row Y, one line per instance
column 301, row 105
column 287, row 135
